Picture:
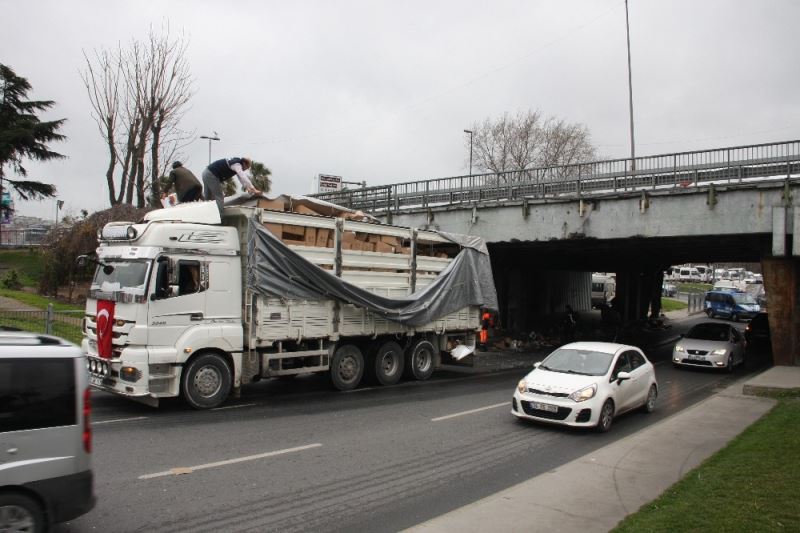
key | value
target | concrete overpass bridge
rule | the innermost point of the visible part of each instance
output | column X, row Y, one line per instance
column 633, row 217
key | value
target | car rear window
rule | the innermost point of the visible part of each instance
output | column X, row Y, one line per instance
column 37, row 393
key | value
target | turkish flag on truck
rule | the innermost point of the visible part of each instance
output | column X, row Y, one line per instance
column 105, row 327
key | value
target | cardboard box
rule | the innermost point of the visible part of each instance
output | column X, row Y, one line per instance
column 373, row 238
column 311, row 236
column 294, row 232
column 391, row 241
column 303, row 210
column 322, row 237
column 406, row 250
column 384, row 248
column 275, row 229
column 363, row 237
column 355, row 245
column 368, row 246
column 277, row 204
column 348, row 236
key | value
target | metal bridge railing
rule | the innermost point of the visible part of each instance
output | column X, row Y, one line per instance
column 730, row 166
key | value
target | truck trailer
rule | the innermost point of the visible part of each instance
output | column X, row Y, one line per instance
column 188, row 303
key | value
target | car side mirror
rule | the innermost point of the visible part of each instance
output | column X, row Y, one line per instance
column 536, row 364
column 622, row 376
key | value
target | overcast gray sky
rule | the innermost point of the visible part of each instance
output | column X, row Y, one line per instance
column 382, row 91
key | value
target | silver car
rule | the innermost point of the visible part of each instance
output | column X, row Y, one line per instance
column 710, row 345
column 45, row 437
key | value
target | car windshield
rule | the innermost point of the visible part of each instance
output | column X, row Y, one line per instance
column 709, row 332
column 743, row 298
column 573, row 361
column 127, row 276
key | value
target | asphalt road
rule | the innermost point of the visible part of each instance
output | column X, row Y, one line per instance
column 297, row 455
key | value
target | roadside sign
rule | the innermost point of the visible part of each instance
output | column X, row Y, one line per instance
column 328, row 183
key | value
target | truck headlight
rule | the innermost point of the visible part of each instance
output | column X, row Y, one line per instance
column 586, row 393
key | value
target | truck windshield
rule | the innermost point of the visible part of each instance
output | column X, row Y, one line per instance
column 128, row 276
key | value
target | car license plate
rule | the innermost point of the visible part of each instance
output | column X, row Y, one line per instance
column 697, row 357
column 544, row 407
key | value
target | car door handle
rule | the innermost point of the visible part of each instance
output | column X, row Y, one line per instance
column 196, row 316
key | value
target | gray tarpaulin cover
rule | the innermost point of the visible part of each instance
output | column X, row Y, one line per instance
column 273, row 269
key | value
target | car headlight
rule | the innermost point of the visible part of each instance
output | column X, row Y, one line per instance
column 584, row 394
column 720, row 351
column 521, row 386
column 678, row 348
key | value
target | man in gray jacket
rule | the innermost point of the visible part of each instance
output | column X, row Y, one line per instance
column 223, row 170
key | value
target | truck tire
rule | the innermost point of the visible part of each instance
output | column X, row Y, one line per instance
column 420, row 359
column 347, row 367
column 388, row 363
column 206, row 381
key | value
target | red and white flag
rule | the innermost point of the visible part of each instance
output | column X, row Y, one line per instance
column 105, row 327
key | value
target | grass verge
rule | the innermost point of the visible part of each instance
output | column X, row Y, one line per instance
column 39, row 302
column 750, row 485
column 668, row 304
column 27, row 263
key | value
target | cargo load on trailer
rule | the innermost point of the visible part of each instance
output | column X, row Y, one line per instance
column 185, row 304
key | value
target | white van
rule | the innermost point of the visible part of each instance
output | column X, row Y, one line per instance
column 45, row 437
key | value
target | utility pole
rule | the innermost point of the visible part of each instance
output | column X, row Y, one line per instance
column 470, row 150
column 210, row 138
column 630, row 87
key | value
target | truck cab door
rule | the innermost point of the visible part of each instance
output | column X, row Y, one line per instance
column 177, row 300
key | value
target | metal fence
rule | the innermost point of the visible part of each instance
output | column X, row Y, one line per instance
column 728, row 166
column 65, row 324
column 22, row 237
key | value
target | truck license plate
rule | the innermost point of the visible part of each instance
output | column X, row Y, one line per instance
column 544, row 407
column 94, row 380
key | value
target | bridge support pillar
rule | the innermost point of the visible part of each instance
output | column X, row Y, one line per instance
column 782, row 285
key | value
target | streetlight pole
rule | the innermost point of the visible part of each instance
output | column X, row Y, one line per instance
column 210, row 138
column 59, row 205
column 470, row 150
column 630, row 87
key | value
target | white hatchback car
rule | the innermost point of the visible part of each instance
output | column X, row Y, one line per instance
column 587, row 384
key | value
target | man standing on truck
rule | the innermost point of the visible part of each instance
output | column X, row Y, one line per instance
column 187, row 186
column 223, row 170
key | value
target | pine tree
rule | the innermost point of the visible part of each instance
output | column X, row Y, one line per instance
column 23, row 135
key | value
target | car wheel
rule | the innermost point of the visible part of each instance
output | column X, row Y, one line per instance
column 388, row 363
column 729, row 366
column 206, row 381
column 606, row 416
column 19, row 512
column 650, row 402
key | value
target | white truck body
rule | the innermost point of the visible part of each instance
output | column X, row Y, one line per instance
column 202, row 338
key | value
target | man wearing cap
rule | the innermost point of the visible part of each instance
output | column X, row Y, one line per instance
column 187, row 186
column 223, row 170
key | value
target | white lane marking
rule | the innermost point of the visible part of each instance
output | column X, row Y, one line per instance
column 478, row 410
column 234, row 406
column 97, row 422
column 190, row 469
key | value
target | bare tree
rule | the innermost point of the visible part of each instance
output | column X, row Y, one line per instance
column 528, row 140
column 138, row 97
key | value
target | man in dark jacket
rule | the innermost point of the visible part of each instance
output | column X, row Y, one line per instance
column 187, row 186
column 223, row 170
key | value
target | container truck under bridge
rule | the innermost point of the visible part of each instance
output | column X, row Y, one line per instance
column 736, row 204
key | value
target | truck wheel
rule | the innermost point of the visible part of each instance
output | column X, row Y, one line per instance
column 420, row 359
column 206, row 381
column 388, row 363
column 347, row 367
column 19, row 512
